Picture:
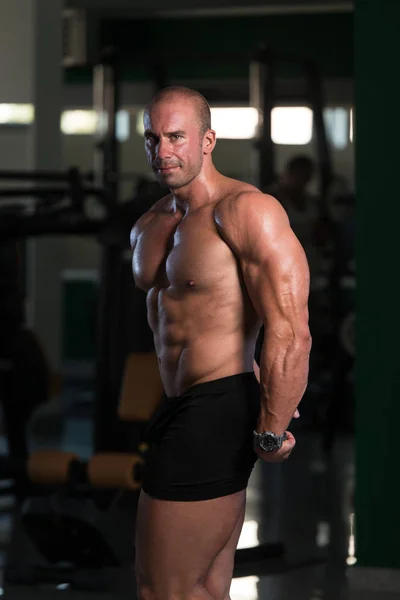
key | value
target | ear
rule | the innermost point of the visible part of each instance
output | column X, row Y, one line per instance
column 209, row 141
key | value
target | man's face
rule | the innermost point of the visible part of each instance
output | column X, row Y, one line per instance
column 172, row 141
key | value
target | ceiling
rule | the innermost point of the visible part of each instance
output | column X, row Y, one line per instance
column 142, row 8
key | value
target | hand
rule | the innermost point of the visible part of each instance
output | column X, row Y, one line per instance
column 278, row 455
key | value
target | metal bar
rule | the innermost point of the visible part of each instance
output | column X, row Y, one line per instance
column 262, row 97
column 37, row 191
column 77, row 192
column 106, row 99
column 48, row 191
column 341, row 6
column 106, row 173
column 34, row 175
column 42, row 225
column 316, row 95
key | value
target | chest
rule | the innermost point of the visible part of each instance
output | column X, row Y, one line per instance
column 198, row 258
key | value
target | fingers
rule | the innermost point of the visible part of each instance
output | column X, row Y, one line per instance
column 289, row 439
column 282, row 454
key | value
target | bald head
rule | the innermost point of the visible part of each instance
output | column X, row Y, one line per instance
column 200, row 104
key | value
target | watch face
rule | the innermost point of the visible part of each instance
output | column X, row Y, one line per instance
column 269, row 443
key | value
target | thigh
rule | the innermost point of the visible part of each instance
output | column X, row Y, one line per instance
column 178, row 542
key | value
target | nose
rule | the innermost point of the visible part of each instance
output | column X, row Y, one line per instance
column 163, row 149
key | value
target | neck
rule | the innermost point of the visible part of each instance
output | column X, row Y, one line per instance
column 200, row 191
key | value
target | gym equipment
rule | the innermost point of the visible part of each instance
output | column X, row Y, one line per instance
column 25, row 379
column 56, row 210
column 67, row 525
column 77, row 521
column 68, row 213
column 52, row 216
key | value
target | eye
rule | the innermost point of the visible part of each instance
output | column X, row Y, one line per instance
column 175, row 136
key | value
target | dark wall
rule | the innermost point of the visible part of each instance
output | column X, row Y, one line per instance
column 328, row 38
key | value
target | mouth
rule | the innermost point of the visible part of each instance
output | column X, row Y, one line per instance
column 166, row 169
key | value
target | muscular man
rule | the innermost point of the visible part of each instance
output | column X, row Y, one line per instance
column 217, row 259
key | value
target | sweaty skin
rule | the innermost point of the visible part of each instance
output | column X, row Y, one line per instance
column 199, row 270
column 217, row 258
column 204, row 324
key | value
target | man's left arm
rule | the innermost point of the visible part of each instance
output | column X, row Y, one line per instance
column 276, row 276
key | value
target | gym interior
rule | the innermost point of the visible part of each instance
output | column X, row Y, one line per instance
column 289, row 82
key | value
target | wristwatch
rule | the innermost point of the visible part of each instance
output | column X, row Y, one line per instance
column 268, row 441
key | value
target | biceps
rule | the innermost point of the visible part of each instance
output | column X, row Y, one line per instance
column 278, row 285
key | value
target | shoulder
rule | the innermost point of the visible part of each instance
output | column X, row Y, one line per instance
column 249, row 213
column 164, row 206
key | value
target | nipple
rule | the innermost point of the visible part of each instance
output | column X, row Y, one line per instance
column 191, row 282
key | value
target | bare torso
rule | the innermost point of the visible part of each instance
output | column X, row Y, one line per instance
column 204, row 323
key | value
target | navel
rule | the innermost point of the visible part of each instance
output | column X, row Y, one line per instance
column 191, row 283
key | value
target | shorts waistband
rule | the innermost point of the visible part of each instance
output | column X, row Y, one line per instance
column 217, row 386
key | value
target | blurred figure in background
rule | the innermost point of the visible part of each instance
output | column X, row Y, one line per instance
column 24, row 371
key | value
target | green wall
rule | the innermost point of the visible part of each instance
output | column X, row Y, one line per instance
column 378, row 325
column 79, row 319
column 328, row 38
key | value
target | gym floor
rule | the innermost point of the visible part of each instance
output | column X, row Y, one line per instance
column 304, row 503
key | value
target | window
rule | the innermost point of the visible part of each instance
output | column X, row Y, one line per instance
column 291, row 125
column 76, row 122
column 235, row 123
column 85, row 122
column 337, row 126
column 16, row 114
column 229, row 123
column 351, row 131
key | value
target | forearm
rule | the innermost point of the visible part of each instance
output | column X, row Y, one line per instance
column 283, row 380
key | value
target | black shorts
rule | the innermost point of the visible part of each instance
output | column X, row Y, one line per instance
column 201, row 443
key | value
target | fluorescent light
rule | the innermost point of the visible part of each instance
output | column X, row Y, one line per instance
column 16, row 114
column 291, row 125
column 229, row 123
column 139, row 123
column 234, row 123
column 87, row 122
column 78, row 122
column 351, row 130
column 123, row 125
column 337, row 125
column 351, row 558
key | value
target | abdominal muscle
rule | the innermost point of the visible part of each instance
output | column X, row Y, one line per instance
column 198, row 340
